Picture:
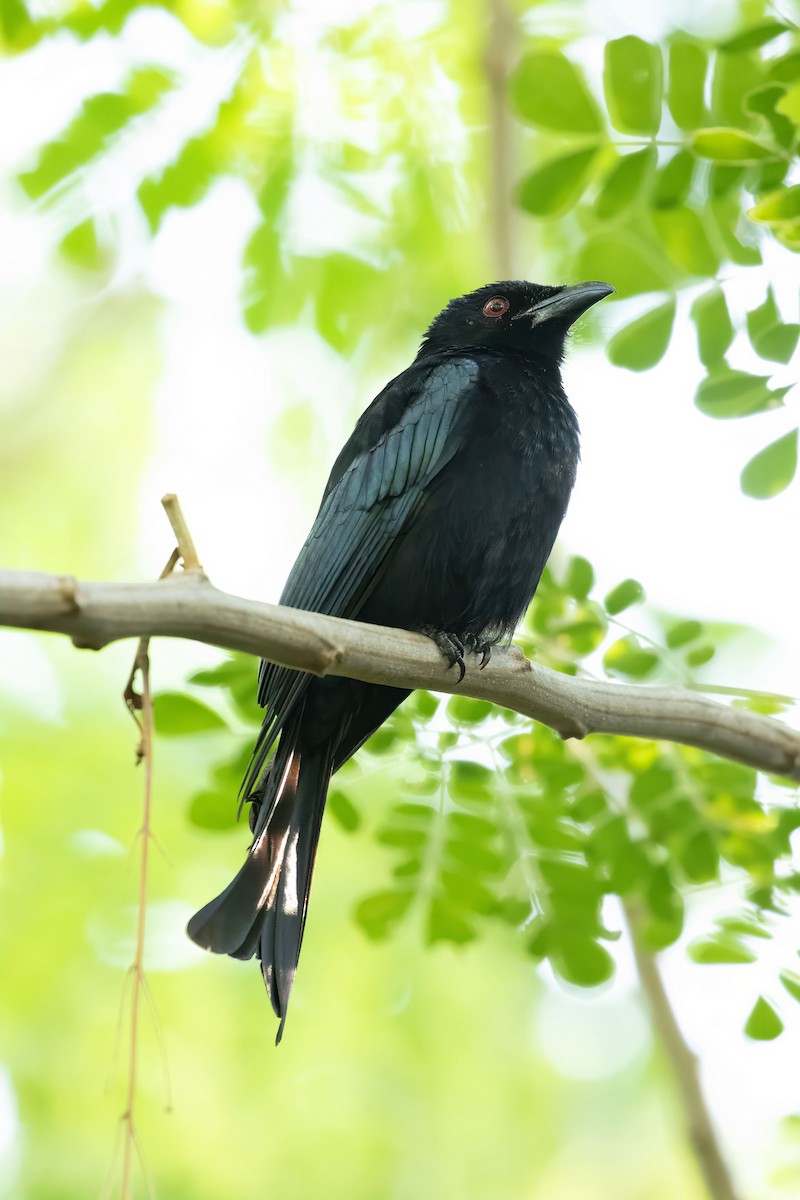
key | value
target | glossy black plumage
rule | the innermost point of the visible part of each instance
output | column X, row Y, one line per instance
column 439, row 514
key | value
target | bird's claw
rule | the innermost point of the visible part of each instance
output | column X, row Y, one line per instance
column 480, row 646
column 451, row 647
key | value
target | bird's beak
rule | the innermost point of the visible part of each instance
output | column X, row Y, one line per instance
column 568, row 303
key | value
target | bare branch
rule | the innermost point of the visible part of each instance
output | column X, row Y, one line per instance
column 188, row 606
column 699, row 1125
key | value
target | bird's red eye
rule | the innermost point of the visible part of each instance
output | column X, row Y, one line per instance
column 498, row 306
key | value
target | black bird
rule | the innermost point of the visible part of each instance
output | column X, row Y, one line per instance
column 439, row 515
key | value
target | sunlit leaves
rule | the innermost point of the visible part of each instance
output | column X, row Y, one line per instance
column 627, row 657
column 769, row 101
column 686, row 240
column 83, row 248
column 632, row 82
column 729, row 393
column 181, row 184
column 213, row 811
column 769, row 336
column 682, row 633
column 673, row 181
column 734, row 77
column 101, row 118
column 688, row 63
column 579, row 579
column 791, row 981
column 558, row 184
column 714, row 326
column 763, row 1024
column 643, row 343
column 343, row 811
column 179, row 715
column 624, row 182
column 629, row 592
column 380, row 913
column 729, row 146
column 634, row 266
column 720, row 949
column 771, row 470
column 752, row 38
column 550, row 91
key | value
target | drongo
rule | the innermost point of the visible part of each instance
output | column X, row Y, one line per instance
column 439, row 515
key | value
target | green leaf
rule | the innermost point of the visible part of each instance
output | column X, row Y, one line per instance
column 212, row 810
column 580, row 578
column 700, row 656
column 673, row 181
column 727, row 145
column 752, row 38
column 714, row 327
column 785, row 69
column 558, row 184
column 728, row 394
column 791, row 981
column 463, row 710
column 178, row 715
column 101, row 117
column 774, row 104
column 82, row 247
column 771, row 470
column 763, row 1024
column 700, row 858
column 770, row 338
column 470, row 781
column 778, row 343
column 182, row 183
column 688, row 62
column 683, row 633
column 447, row 924
column 685, row 240
column 632, row 82
column 643, row 343
column 629, row 592
column 627, row 657
column 779, row 206
column 735, row 76
column 726, row 214
column 380, row 913
column 551, row 92
column 722, row 948
column 634, row 264
column 343, row 811
column 582, row 961
column 624, row 182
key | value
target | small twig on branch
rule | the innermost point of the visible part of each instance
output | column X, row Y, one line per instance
column 700, row 1129
column 94, row 614
column 186, row 546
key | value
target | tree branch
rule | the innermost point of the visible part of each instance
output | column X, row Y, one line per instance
column 699, row 1126
column 188, row 606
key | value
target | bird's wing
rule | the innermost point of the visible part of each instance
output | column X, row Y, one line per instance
column 402, row 441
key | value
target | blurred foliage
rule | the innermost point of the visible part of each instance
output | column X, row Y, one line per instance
column 699, row 180
column 361, row 142
column 684, row 159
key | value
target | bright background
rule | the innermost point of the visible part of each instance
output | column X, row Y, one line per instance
column 404, row 1073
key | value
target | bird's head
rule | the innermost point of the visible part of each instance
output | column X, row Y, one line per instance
column 530, row 318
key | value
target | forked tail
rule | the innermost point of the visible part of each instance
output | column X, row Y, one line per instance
column 263, row 911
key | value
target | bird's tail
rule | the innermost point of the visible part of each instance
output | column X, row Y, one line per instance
column 263, row 911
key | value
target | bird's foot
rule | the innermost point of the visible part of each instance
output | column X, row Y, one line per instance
column 451, row 647
column 479, row 645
